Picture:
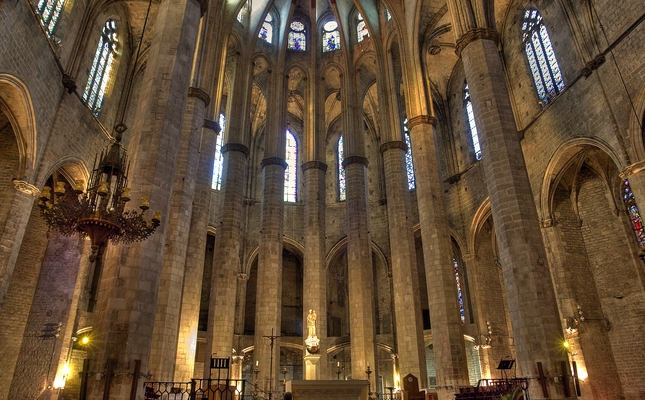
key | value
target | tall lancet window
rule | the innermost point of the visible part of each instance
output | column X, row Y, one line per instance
column 49, row 11
column 539, row 52
column 634, row 214
column 331, row 36
column 470, row 113
column 297, row 37
column 266, row 31
column 101, row 67
column 361, row 28
column 460, row 295
column 219, row 159
column 291, row 173
column 409, row 165
column 342, row 194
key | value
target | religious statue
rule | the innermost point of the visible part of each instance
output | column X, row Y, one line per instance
column 311, row 324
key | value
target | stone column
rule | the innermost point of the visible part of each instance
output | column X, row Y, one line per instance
column 532, row 303
column 359, row 266
column 269, row 292
column 128, row 290
column 13, row 230
column 194, row 270
column 407, row 305
column 226, row 264
column 447, row 333
column 314, row 263
column 171, row 286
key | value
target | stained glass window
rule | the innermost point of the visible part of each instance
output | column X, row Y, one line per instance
column 266, row 31
column 634, row 214
column 408, row 156
column 361, row 28
column 291, row 172
column 341, row 171
column 541, row 57
column 388, row 16
column 49, row 11
column 297, row 36
column 242, row 13
column 331, row 36
column 468, row 104
column 101, row 68
column 460, row 296
column 219, row 159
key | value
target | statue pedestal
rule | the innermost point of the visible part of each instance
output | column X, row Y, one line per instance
column 328, row 390
column 311, row 366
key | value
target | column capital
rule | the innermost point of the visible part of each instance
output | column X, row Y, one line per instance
column 394, row 144
column 314, row 165
column 239, row 147
column 199, row 94
column 26, row 187
column 475, row 34
column 212, row 125
column 632, row 169
column 274, row 161
column 421, row 119
column 355, row 160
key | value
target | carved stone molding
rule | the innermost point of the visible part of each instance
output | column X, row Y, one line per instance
column 26, row 188
column 395, row 144
column 632, row 169
column 274, row 161
column 200, row 94
column 593, row 65
column 355, row 160
column 212, row 125
column 314, row 165
column 239, row 147
column 421, row 119
column 476, row 34
column 69, row 83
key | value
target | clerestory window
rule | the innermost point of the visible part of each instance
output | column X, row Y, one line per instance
column 101, row 68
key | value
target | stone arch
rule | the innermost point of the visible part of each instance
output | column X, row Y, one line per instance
column 16, row 104
column 481, row 216
column 636, row 130
column 72, row 168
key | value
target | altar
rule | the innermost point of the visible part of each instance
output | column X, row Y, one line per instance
column 332, row 389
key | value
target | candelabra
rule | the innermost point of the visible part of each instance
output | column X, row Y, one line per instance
column 256, row 371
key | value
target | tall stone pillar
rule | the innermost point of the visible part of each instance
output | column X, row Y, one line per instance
column 531, row 299
column 194, row 270
column 359, row 266
column 166, row 330
column 269, row 292
column 226, row 264
column 407, row 304
column 315, row 267
column 13, row 230
column 127, row 295
column 447, row 332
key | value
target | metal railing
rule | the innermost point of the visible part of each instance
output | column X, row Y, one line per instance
column 196, row 389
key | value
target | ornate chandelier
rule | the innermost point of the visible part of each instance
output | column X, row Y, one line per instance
column 99, row 213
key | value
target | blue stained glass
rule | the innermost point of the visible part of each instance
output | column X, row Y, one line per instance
column 541, row 57
column 219, row 159
column 409, row 165
column 471, row 122
column 331, row 41
column 634, row 214
column 341, row 172
column 49, row 11
column 388, row 16
column 102, row 64
column 291, row 172
column 460, row 297
column 297, row 38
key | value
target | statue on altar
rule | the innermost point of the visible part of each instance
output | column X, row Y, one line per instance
column 312, row 341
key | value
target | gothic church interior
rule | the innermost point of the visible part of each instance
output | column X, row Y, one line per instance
column 446, row 183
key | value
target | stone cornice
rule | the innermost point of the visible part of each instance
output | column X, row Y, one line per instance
column 239, row 147
column 632, row 169
column 199, row 94
column 475, row 34
column 395, row 144
column 421, row 119
column 26, row 188
column 314, row 165
column 212, row 125
column 355, row 160
column 274, row 161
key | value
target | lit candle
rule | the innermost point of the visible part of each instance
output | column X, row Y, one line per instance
column 257, row 363
column 338, row 364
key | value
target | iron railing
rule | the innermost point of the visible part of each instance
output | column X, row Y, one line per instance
column 196, row 389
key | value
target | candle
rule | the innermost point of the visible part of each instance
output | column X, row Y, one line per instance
column 338, row 364
column 257, row 363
